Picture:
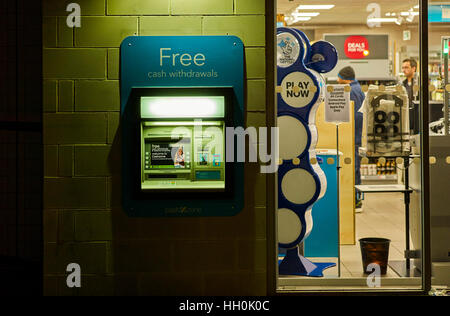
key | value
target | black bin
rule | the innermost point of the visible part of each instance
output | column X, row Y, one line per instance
column 375, row 250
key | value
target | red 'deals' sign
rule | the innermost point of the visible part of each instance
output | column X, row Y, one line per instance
column 356, row 47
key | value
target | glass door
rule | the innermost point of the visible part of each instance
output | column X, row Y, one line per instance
column 366, row 226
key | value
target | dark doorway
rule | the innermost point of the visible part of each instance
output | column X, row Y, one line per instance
column 21, row 154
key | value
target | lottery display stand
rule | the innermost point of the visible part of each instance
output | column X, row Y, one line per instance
column 301, row 181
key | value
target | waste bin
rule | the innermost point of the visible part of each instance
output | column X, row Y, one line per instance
column 374, row 250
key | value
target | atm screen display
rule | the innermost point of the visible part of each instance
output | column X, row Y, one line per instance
column 161, row 154
column 167, row 154
column 183, row 155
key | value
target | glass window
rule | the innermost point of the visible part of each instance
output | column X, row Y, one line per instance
column 363, row 232
column 439, row 139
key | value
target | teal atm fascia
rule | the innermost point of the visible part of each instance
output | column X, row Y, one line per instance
column 158, row 188
column 178, row 139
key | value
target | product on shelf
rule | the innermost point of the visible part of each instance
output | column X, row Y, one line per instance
column 386, row 122
column 379, row 169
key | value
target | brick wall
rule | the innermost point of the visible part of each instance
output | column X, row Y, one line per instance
column 83, row 219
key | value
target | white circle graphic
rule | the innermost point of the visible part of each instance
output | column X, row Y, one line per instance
column 298, row 186
column 289, row 226
column 296, row 89
column 292, row 137
column 288, row 50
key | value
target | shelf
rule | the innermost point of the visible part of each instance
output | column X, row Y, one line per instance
column 380, row 177
column 381, row 188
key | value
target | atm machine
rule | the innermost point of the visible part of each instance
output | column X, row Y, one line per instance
column 178, row 95
column 182, row 133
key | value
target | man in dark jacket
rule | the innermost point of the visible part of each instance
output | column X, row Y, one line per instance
column 409, row 68
column 347, row 76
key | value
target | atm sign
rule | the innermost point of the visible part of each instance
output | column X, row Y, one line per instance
column 356, row 47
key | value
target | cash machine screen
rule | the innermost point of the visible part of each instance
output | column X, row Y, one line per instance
column 183, row 154
column 167, row 155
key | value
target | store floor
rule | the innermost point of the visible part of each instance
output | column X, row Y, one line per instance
column 383, row 216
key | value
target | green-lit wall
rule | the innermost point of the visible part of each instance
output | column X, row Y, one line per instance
column 83, row 219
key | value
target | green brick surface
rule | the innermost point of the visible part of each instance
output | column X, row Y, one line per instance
column 49, row 32
column 75, row 193
column 88, row 7
column 105, row 31
column 255, row 62
column 259, row 181
column 141, row 256
column 65, row 161
column 65, row 33
column 186, row 7
column 66, row 229
column 66, row 96
column 190, row 255
column 256, row 95
column 102, row 285
column 248, row 28
column 236, row 283
column 50, row 257
column 113, row 63
column 249, row 6
column 138, row 7
column 260, row 223
column 256, row 119
column 74, row 63
column 92, row 160
column 50, row 95
column 170, row 25
column 93, row 95
column 115, row 187
column 84, row 147
column 252, row 254
column 77, row 128
column 93, row 226
column 92, row 257
column 50, row 222
column 126, row 284
column 50, row 161
column 113, row 126
column 183, row 284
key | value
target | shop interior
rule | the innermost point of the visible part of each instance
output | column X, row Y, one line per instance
column 386, row 203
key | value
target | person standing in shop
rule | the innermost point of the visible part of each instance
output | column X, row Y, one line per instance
column 347, row 76
column 409, row 68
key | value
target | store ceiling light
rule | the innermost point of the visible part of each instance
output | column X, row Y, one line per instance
column 305, row 13
column 409, row 13
column 379, row 20
column 399, row 20
column 410, row 18
column 302, row 18
column 316, row 7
